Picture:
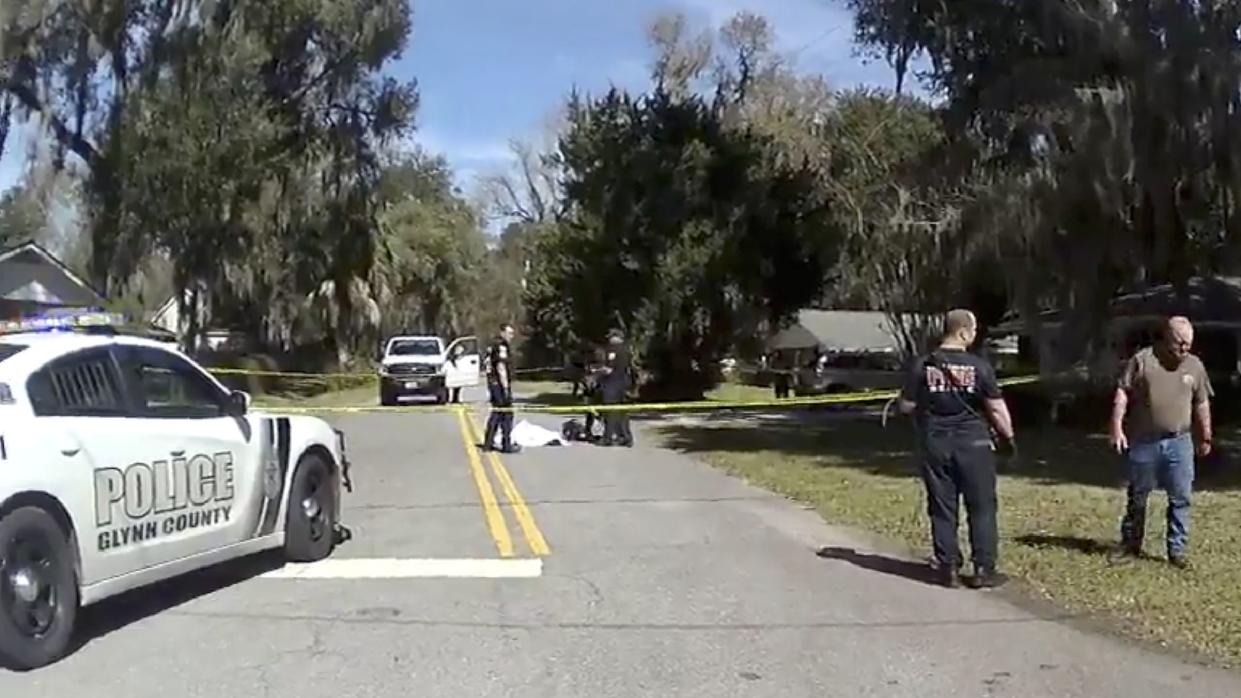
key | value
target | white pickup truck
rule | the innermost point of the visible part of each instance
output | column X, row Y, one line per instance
column 417, row 365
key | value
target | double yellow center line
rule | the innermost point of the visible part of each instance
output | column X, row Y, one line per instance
column 491, row 508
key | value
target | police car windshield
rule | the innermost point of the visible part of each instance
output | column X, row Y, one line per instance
column 7, row 350
column 414, row 347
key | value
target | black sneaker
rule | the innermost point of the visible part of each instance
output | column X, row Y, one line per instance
column 987, row 579
column 948, row 577
column 1179, row 562
column 511, row 448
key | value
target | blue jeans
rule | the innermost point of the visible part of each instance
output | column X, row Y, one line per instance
column 1168, row 462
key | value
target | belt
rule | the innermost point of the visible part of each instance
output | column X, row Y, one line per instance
column 1165, row 435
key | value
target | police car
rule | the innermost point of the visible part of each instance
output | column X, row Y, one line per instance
column 123, row 462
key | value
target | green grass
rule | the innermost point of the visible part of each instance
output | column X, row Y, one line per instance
column 560, row 394
column 739, row 392
column 1060, row 509
column 365, row 395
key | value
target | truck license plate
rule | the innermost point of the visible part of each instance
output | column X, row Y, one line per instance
column 410, row 385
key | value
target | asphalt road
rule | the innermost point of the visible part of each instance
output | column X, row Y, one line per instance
column 661, row 577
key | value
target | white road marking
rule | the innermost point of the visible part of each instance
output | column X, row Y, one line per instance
column 397, row 568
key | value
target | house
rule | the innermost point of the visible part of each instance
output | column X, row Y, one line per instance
column 829, row 331
column 1212, row 304
column 33, row 282
column 168, row 317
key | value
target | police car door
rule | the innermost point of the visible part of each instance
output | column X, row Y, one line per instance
column 464, row 363
column 82, row 416
column 204, row 462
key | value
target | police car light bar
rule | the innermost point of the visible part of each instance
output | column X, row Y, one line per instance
column 65, row 322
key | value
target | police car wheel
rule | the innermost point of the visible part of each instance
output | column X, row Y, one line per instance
column 310, row 529
column 38, row 590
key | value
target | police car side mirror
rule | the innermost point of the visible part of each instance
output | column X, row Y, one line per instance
column 238, row 403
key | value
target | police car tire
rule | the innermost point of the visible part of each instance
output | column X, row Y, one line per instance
column 300, row 543
column 18, row 651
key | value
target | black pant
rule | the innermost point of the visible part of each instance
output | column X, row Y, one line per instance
column 591, row 417
column 782, row 386
column 499, row 419
column 956, row 465
column 616, row 422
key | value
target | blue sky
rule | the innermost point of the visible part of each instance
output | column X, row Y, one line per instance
column 492, row 70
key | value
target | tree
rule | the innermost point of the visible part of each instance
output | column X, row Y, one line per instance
column 1097, row 134
column 434, row 250
column 22, row 217
column 530, row 191
column 746, row 78
column 268, row 117
column 906, row 250
column 678, row 229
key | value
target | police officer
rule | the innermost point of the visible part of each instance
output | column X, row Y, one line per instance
column 947, row 391
column 614, row 384
column 590, row 390
column 500, row 388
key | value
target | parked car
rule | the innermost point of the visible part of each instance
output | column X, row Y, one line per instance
column 851, row 371
column 420, row 365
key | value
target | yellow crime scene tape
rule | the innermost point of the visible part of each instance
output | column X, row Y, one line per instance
column 684, row 406
column 320, row 376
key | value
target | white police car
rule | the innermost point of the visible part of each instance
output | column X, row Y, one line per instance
column 123, row 462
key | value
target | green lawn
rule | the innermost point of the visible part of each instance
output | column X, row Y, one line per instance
column 366, row 395
column 1060, row 508
column 558, row 394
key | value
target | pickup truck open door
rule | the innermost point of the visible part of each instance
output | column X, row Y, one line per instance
column 463, row 366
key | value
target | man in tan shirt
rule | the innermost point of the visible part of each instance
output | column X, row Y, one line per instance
column 1163, row 388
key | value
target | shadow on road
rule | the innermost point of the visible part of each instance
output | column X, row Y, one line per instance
column 110, row 615
column 916, row 571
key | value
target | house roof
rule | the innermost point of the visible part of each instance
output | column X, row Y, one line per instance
column 795, row 336
column 838, row 330
column 34, row 253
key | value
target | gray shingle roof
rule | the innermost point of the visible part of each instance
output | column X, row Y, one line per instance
column 838, row 330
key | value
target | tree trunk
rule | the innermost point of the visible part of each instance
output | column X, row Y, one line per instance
column 344, row 316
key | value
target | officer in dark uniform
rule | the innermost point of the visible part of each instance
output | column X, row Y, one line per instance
column 500, row 388
column 614, row 384
column 591, row 394
column 947, row 391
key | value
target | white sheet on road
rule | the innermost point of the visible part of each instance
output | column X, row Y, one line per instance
column 526, row 435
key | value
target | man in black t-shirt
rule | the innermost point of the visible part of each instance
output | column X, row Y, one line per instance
column 949, row 391
column 500, row 390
